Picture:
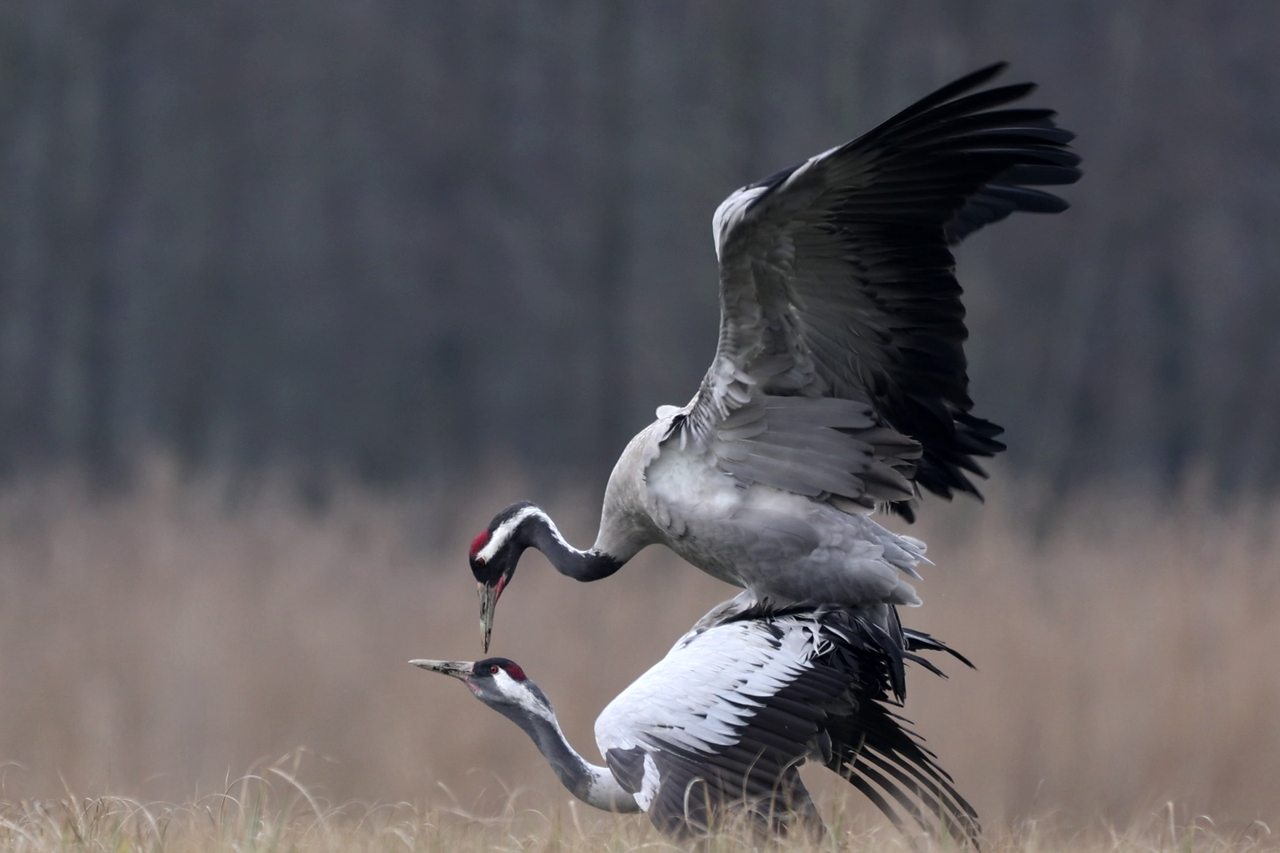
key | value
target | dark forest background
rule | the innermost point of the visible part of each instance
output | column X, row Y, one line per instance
column 401, row 240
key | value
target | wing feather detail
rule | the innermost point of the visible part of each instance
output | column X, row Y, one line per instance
column 724, row 720
column 837, row 282
column 815, row 446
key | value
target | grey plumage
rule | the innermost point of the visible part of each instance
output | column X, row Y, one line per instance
column 716, row 730
column 836, row 279
column 839, row 383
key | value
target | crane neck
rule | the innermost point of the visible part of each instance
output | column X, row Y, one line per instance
column 594, row 785
column 591, row 565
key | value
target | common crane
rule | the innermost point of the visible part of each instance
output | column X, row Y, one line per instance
column 839, row 382
column 716, row 730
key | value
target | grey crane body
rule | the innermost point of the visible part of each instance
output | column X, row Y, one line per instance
column 715, row 731
column 839, row 383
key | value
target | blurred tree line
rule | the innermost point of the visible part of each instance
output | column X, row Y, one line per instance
column 400, row 238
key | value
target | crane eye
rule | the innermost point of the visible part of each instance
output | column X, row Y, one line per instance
column 493, row 670
column 480, row 561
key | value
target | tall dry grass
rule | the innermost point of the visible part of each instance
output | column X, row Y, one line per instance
column 271, row 812
column 157, row 645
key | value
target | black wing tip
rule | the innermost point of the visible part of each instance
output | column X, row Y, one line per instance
column 919, row 641
column 943, row 95
column 971, row 81
column 949, row 464
column 995, row 159
column 873, row 748
column 906, row 510
column 988, row 72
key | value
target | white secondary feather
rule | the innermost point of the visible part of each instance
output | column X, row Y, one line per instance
column 704, row 691
column 649, row 784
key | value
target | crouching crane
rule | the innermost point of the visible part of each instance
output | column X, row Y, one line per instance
column 717, row 729
column 839, row 383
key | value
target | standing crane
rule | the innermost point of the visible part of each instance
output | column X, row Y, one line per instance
column 839, row 382
column 717, row 729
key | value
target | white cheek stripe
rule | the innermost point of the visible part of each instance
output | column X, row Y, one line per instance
column 517, row 692
column 507, row 529
column 504, row 532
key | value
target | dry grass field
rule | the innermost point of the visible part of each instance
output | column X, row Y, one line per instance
column 271, row 812
column 161, row 646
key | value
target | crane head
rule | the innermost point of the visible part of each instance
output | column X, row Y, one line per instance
column 494, row 555
column 499, row 683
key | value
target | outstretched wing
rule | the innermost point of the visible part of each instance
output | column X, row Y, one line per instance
column 719, row 726
column 836, row 281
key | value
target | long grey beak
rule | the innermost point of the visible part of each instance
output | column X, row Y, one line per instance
column 456, row 668
column 488, row 603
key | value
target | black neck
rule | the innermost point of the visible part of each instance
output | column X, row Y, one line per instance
column 589, row 565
